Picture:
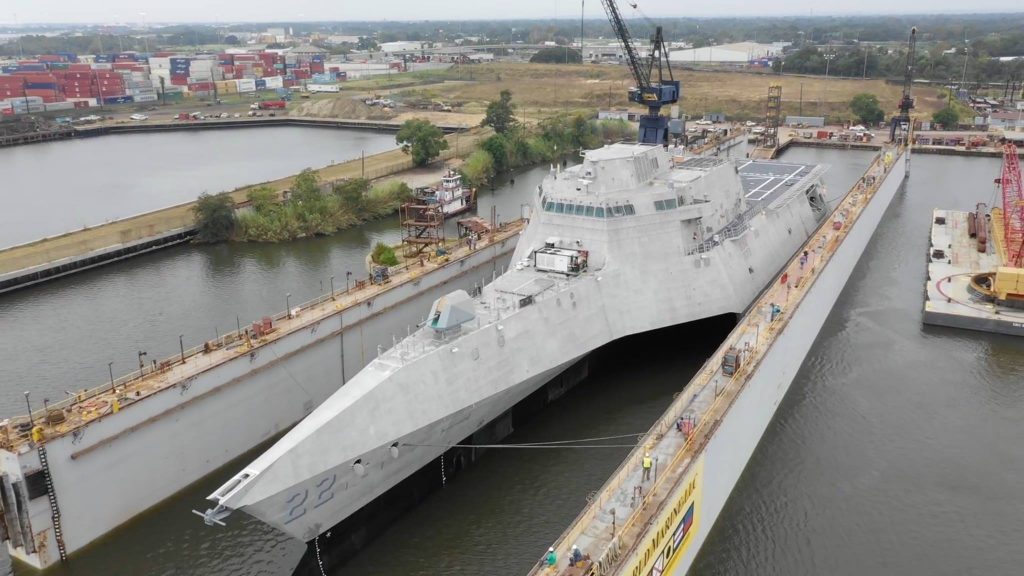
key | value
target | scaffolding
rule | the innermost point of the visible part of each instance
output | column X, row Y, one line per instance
column 773, row 117
column 422, row 228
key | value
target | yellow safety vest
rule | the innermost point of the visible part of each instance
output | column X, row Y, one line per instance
column 647, row 462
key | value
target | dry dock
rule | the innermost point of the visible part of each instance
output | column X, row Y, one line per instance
column 703, row 441
column 163, row 427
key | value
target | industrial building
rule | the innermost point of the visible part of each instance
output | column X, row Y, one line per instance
column 738, row 53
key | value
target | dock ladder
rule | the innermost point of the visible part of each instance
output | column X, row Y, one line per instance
column 54, row 509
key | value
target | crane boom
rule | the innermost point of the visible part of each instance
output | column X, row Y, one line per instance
column 906, row 101
column 653, row 126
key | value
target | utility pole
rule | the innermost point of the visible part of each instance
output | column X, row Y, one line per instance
column 865, row 76
column 583, row 4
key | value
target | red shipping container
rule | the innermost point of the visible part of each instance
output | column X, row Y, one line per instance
column 79, row 68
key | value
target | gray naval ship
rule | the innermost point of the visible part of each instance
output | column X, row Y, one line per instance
column 632, row 239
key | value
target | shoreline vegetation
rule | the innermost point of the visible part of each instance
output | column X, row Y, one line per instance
column 313, row 208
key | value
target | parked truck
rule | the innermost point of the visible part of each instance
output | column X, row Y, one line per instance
column 268, row 105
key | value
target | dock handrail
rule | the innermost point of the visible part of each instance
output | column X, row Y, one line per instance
column 609, row 557
column 39, row 415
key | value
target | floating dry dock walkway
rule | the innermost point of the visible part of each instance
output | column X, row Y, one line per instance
column 702, row 442
column 82, row 466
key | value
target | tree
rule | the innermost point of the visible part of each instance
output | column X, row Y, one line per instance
column 497, row 147
column 214, row 217
column 422, row 140
column 352, row 193
column 557, row 55
column 947, row 117
column 500, row 114
column 306, row 187
column 866, row 108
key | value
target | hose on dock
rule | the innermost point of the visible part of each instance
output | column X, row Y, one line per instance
column 578, row 443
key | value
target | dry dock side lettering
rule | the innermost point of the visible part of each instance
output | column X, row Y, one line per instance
column 680, row 521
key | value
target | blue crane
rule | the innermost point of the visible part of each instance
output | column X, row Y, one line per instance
column 648, row 92
column 901, row 121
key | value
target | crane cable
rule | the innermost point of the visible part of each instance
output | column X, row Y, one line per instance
column 578, row 443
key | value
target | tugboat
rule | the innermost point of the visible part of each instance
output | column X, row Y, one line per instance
column 452, row 196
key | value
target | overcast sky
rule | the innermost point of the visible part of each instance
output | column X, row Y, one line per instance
column 116, row 11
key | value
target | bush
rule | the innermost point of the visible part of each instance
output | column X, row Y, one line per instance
column 384, row 255
column 478, row 169
column 557, row 55
column 214, row 217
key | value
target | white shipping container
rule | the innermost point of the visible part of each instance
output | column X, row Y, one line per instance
column 274, row 82
column 89, row 101
column 246, row 85
column 5, row 105
column 160, row 63
column 146, row 98
column 200, row 66
column 102, row 66
column 59, row 106
column 322, row 87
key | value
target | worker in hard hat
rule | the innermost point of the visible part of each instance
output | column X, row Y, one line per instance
column 647, row 463
column 575, row 556
column 552, row 558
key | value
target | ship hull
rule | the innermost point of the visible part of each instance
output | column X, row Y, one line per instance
column 379, row 429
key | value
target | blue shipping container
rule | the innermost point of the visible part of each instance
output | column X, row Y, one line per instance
column 261, row 84
column 40, row 86
column 318, row 58
column 8, row 69
column 118, row 100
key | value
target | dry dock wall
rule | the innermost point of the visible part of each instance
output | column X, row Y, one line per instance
column 740, row 430
column 120, row 464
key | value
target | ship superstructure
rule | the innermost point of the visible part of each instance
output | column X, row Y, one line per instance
column 631, row 240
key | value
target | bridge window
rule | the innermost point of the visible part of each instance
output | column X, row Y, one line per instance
column 549, row 206
column 599, row 212
column 580, row 208
column 659, row 205
column 589, row 211
column 618, row 210
column 559, row 208
column 629, row 209
column 670, row 204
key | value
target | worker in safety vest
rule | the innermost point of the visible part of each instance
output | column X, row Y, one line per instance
column 647, row 463
column 552, row 558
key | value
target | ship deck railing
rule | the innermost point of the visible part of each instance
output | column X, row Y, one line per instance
column 89, row 404
column 608, row 529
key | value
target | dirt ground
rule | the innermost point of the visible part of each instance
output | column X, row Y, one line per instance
column 539, row 90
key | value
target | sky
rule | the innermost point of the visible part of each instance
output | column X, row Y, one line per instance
column 132, row 11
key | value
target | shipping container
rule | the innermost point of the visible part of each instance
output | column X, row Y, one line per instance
column 274, row 82
column 117, row 99
column 146, row 97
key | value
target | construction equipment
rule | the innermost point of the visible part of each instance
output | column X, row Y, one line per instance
column 650, row 93
column 1013, row 207
column 901, row 121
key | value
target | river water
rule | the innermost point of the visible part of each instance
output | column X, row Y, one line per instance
column 896, row 450
column 56, row 187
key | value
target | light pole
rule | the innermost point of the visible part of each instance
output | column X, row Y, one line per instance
column 110, row 368
column 141, row 365
column 332, row 287
column 347, row 276
column 181, row 345
column 28, row 404
column 288, row 304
